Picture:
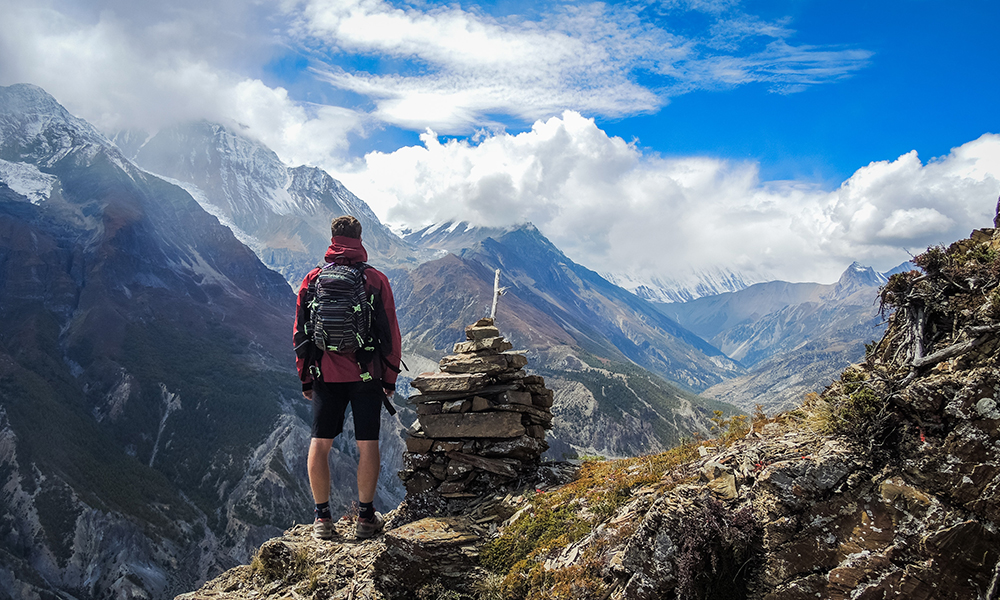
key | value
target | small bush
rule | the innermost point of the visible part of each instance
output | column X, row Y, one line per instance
column 855, row 408
column 489, row 587
column 437, row 591
column 720, row 553
column 289, row 565
column 731, row 429
column 933, row 261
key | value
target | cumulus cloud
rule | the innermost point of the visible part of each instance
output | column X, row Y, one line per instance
column 613, row 208
column 463, row 66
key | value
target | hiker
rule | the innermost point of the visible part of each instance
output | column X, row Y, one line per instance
column 336, row 370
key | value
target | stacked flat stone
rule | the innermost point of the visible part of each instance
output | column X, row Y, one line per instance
column 481, row 419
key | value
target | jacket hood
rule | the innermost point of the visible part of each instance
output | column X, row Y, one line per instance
column 346, row 250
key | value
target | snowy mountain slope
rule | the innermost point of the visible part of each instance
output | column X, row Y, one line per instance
column 452, row 236
column 684, row 288
column 282, row 213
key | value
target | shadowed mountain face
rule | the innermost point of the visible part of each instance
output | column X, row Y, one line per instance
column 282, row 213
column 152, row 431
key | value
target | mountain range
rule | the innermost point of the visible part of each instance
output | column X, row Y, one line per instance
column 569, row 306
column 794, row 338
column 152, row 432
column 682, row 288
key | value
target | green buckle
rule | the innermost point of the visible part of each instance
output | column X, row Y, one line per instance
column 314, row 371
column 366, row 376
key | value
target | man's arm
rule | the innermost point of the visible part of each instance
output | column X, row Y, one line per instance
column 304, row 348
column 390, row 326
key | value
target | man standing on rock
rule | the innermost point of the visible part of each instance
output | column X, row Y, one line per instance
column 347, row 347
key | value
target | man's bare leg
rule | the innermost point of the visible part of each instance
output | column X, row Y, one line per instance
column 319, row 469
column 368, row 467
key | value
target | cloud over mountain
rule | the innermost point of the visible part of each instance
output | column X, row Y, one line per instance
column 453, row 68
column 362, row 68
column 608, row 204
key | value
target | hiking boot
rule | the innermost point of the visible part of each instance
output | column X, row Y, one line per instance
column 369, row 527
column 323, row 529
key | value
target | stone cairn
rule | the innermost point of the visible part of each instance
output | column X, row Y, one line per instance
column 481, row 419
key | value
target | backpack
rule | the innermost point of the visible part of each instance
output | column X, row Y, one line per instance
column 340, row 312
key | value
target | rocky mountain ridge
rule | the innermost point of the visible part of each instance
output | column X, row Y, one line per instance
column 141, row 332
column 885, row 486
column 598, row 345
column 278, row 211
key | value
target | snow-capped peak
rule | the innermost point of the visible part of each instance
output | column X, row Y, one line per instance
column 682, row 287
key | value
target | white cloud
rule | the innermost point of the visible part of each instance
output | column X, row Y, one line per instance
column 120, row 67
column 123, row 64
column 461, row 66
column 613, row 208
column 905, row 224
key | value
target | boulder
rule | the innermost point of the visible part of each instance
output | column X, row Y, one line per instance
column 449, row 382
column 472, row 425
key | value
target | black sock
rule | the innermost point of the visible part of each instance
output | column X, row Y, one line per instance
column 323, row 511
column 366, row 510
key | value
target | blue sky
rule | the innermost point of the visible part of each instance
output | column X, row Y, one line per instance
column 780, row 139
column 930, row 84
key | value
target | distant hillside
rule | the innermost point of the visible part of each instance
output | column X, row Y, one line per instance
column 793, row 337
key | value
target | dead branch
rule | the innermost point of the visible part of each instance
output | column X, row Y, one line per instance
column 949, row 352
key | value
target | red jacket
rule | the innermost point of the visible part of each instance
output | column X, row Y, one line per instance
column 336, row 367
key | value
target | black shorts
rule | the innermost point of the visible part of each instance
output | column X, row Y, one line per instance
column 330, row 402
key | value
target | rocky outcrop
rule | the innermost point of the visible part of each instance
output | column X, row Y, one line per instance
column 481, row 420
column 902, row 500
